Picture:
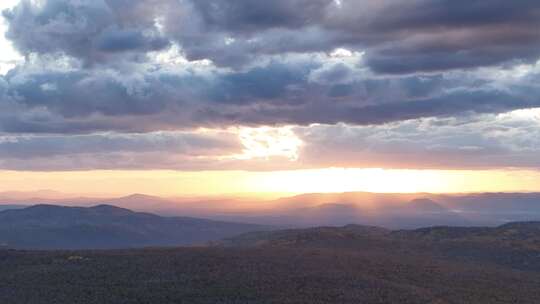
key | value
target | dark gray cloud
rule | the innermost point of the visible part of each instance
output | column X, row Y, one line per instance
column 295, row 91
column 114, row 40
column 78, row 93
column 397, row 36
column 247, row 16
column 93, row 31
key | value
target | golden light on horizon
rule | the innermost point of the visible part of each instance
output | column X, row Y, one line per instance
column 397, row 181
column 271, row 184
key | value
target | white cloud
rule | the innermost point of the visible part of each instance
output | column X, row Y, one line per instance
column 504, row 140
column 8, row 55
column 267, row 142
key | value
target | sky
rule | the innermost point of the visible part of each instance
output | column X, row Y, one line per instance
column 209, row 97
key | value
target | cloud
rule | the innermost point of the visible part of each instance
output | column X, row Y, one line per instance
column 94, row 67
column 487, row 141
column 117, row 150
column 398, row 37
column 93, row 31
column 293, row 90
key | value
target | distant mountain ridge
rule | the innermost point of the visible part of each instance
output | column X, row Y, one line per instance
column 106, row 226
column 390, row 210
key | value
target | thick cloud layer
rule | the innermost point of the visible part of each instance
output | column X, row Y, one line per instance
column 315, row 89
column 91, row 64
column 509, row 140
column 398, row 36
column 137, row 66
column 92, row 30
column 165, row 150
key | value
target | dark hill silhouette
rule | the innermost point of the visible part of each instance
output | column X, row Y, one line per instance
column 106, row 226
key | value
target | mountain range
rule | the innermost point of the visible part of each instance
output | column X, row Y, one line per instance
column 390, row 210
column 106, row 226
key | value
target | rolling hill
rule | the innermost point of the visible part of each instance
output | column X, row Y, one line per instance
column 515, row 245
column 323, row 265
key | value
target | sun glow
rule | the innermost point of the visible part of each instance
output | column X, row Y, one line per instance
column 395, row 181
column 271, row 184
column 266, row 142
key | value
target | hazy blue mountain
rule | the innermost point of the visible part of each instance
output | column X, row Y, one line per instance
column 106, row 226
column 390, row 210
column 8, row 207
column 408, row 211
column 424, row 205
column 510, row 203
